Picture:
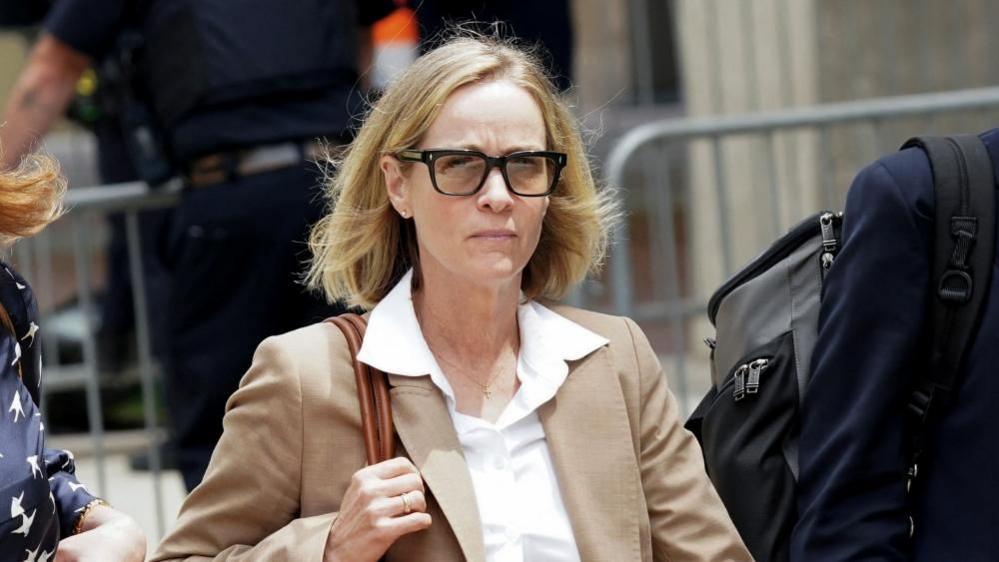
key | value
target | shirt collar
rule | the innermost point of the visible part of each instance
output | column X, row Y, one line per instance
column 394, row 343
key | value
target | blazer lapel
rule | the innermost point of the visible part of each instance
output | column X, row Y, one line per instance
column 591, row 448
column 427, row 432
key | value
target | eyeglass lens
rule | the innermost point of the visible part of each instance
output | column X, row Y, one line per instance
column 461, row 174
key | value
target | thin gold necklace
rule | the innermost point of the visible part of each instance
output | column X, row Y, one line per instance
column 486, row 388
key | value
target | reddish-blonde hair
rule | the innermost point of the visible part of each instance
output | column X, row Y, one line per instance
column 31, row 197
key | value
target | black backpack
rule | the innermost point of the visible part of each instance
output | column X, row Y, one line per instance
column 766, row 319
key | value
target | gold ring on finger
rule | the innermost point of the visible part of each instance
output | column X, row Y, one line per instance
column 406, row 504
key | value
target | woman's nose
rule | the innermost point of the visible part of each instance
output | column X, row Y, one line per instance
column 494, row 192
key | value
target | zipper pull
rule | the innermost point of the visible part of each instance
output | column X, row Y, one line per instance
column 712, row 343
column 829, row 243
column 755, row 368
column 739, row 392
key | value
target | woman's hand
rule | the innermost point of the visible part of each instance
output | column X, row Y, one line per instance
column 107, row 535
column 383, row 502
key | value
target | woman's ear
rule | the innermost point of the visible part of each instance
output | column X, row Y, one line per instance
column 395, row 184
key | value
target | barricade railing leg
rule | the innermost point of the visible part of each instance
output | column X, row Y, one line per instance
column 721, row 190
column 81, row 257
column 663, row 199
column 143, row 337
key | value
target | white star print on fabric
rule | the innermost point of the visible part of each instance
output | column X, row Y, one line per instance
column 15, row 405
column 69, row 459
column 34, row 556
column 20, row 286
column 33, row 461
column 32, row 330
column 15, row 506
column 76, row 487
column 26, row 521
column 17, row 354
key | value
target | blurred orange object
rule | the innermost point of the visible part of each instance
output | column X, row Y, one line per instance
column 398, row 27
column 396, row 40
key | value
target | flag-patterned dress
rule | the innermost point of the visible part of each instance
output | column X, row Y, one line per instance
column 38, row 484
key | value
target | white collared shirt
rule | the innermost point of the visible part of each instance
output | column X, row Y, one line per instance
column 516, row 488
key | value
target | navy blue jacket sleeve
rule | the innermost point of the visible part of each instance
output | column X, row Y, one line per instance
column 852, row 499
column 69, row 495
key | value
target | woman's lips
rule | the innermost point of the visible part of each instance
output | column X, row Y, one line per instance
column 495, row 235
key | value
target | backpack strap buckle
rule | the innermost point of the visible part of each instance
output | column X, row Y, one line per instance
column 964, row 232
column 955, row 287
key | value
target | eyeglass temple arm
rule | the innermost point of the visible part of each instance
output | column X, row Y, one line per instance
column 410, row 155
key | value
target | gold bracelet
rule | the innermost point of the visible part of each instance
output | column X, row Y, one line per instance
column 85, row 511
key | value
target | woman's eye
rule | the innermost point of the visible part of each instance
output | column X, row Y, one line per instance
column 528, row 164
column 457, row 162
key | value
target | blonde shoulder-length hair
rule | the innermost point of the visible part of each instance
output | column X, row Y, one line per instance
column 31, row 196
column 362, row 247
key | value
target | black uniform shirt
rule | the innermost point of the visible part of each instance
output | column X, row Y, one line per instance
column 92, row 27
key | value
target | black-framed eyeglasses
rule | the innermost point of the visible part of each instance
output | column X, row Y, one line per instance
column 464, row 172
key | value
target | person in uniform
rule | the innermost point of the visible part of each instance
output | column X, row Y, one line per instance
column 238, row 99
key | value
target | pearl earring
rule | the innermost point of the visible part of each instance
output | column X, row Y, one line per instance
column 404, row 214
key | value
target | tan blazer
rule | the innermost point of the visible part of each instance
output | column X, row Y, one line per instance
column 631, row 477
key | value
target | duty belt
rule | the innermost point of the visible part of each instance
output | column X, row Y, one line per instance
column 221, row 167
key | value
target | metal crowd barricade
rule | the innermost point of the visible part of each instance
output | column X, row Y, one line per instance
column 657, row 141
column 34, row 257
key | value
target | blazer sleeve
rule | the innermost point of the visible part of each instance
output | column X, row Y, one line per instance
column 247, row 506
column 688, row 520
column 851, row 493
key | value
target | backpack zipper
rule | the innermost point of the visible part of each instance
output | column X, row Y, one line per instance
column 830, row 245
column 746, row 378
column 739, row 392
column 777, row 251
column 753, row 381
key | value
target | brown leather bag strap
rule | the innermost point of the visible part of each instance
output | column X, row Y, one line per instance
column 372, row 394
column 382, row 398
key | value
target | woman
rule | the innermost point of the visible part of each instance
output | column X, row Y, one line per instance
column 51, row 513
column 526, row 431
